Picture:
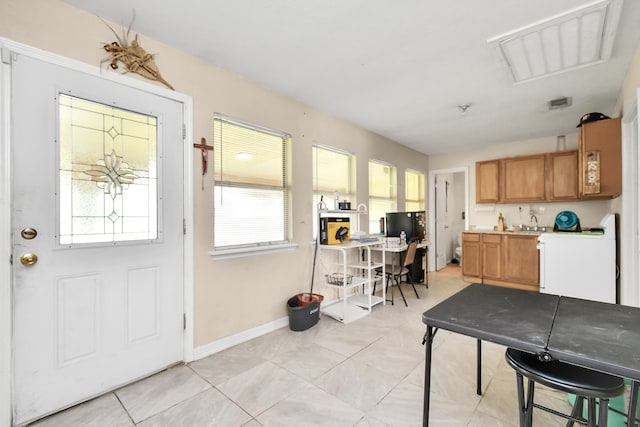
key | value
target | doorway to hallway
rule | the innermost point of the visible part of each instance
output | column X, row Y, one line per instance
column 448, row 213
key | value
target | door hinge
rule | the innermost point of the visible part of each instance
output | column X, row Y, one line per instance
column 184, row 131
column 6, row 55
column 184, row 321
column 184, row 226
column 11, row 259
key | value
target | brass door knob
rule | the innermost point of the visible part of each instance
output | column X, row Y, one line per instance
column 29, row 259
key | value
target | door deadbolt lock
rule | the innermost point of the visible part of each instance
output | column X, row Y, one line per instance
column 29, row 259
column 29, row 233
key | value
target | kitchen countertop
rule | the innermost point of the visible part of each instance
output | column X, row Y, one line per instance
column 520, row 232
column 539, row 232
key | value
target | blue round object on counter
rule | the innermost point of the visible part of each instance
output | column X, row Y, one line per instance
column 566, row 219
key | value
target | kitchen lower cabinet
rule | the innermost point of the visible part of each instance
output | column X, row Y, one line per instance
column 521, row 259
column 492, row 256
column 502, row 259
column 471, row 261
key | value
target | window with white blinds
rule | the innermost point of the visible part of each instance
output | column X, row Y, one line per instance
column 382, row 192
column 251, row 193
column 334, row 171
column 414, row 191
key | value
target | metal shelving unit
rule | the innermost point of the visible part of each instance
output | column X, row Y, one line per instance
column 354, row 281
column 355, row 276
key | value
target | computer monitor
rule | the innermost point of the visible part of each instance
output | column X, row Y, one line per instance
column 413, row 224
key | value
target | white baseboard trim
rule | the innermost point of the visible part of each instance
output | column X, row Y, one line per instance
column 227, row 342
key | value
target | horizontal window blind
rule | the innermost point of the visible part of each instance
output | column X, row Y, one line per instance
column 333, row 171
column 414, row 191
column 251, row 201
column 381, row 179
column 382, row 192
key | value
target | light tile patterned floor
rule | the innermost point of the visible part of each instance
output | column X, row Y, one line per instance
column 367, row 373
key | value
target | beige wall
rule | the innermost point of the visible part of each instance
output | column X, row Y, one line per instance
column 590, row 213
column 627, row 102
column 231, row 296
column 627, row 99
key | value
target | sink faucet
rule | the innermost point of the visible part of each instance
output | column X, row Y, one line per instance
column 534, row 219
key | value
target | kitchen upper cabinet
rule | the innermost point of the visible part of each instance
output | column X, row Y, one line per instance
column 600, row 159
column 488, row 181
column 523, row 179
column 591, row 172
column 491, row 256
column 471, row 255
column 521, row 259
column 562, row 176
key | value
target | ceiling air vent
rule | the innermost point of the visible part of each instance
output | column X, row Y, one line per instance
column 567, row 41
column 556, row 103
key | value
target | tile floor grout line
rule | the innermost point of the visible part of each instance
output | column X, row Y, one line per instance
column 124, row 408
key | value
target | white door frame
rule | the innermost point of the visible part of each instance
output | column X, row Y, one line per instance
column 432, row 205
column 6, row 313
column 441, row 215
column 630, row 218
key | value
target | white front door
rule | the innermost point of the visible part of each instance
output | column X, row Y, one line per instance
column 97, row 197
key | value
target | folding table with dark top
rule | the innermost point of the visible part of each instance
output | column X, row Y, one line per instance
column 596, row 335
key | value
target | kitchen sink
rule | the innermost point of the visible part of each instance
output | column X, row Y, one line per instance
column 534, row 229
column 530, row 229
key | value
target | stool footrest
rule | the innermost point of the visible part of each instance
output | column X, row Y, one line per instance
column 560, row 414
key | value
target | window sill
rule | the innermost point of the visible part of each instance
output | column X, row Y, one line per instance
column 254, row 251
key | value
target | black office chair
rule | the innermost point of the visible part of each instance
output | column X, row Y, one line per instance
column 395, row 272
column 584, row 383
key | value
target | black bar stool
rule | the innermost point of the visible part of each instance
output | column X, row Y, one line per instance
column 584, row 383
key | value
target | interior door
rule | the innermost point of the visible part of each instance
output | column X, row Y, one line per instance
column 97, row 234
column 442, row 221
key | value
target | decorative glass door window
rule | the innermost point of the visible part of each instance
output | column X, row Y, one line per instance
column 108, row 173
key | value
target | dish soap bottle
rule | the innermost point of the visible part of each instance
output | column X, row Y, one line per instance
column 500, row 222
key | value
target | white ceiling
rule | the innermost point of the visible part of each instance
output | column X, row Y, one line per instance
column 399, row 68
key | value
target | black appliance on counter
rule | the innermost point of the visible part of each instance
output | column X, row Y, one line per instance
column 414, row 224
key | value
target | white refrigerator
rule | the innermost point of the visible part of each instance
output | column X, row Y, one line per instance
column 580, row 264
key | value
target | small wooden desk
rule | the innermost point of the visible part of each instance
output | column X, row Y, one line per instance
column 399, row 249
column 596, row 335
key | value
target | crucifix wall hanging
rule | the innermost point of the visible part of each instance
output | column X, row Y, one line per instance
column 204, row 152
